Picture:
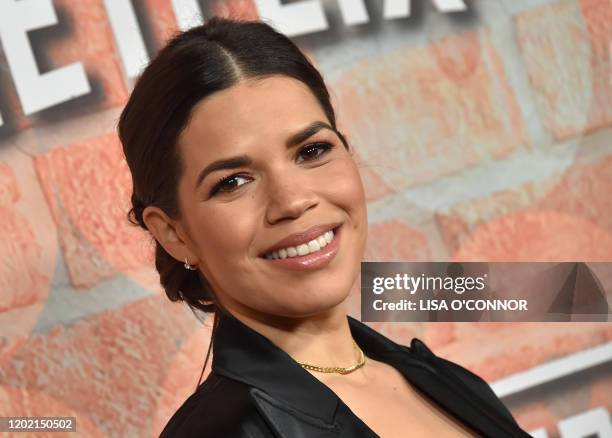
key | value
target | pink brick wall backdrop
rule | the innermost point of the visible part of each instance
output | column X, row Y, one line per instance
column 481, row 135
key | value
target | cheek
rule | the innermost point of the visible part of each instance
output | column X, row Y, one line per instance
column 357, row 192
column 346, row 189
column 350, row 195
column 224, row 233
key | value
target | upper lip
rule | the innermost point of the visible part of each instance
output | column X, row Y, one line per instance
column 303, row 237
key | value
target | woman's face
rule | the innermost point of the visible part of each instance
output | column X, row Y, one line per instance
column 260, row 188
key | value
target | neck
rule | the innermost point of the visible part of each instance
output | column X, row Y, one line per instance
column 323, row 339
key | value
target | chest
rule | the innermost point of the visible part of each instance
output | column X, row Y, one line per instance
column 392, row 408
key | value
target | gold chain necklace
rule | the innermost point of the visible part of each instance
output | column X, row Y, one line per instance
column 340, row 370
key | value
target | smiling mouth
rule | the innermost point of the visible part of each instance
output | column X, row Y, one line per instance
column 313, row 246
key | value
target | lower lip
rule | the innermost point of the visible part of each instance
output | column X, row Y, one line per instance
column 311, row 261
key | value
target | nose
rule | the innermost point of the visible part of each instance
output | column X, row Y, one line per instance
column 288, row 197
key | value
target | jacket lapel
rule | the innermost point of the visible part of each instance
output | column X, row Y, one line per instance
column 430, row 376
column 243, row 354
column 297, row 405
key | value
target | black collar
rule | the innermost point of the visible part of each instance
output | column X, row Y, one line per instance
column 243, row 354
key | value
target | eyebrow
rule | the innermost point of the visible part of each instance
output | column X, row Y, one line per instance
column 245, row 160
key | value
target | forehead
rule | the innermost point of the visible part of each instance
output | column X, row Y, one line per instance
column 246, row 114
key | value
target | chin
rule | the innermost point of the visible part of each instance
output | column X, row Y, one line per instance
column 318, row 301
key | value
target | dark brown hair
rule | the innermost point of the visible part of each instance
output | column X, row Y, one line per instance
column 193, row 65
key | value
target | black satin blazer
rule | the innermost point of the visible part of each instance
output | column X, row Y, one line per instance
column 257, row 390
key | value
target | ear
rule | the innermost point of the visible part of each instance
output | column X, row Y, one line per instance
column 166, row 232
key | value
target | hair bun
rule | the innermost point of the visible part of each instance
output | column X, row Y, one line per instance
column 181, row 284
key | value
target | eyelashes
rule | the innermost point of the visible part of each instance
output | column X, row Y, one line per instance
column 322, row 148
column 223, row 182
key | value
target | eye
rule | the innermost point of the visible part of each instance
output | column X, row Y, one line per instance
column 314, row 150
column 228, row 184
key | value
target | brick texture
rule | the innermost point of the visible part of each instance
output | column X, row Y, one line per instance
column 30, row 403
column 451, row 108
column 394, row 240
column 242, row 9
column 28, row 240
column 13, row 119
column 88, row 186
column 109, row 366
column 161, row 20
column 525, row 345
column 505, row 225
column 566, row 49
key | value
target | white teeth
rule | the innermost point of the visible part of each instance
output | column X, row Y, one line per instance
column 303, row 249
column 313, row 245
column 322, row 241
column 329, row 235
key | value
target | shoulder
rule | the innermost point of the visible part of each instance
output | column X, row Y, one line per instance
column 220, row 407
column 474, row 382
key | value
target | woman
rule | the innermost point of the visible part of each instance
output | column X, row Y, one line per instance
column 259, row 217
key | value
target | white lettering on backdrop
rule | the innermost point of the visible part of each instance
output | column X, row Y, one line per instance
column 37, row 91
